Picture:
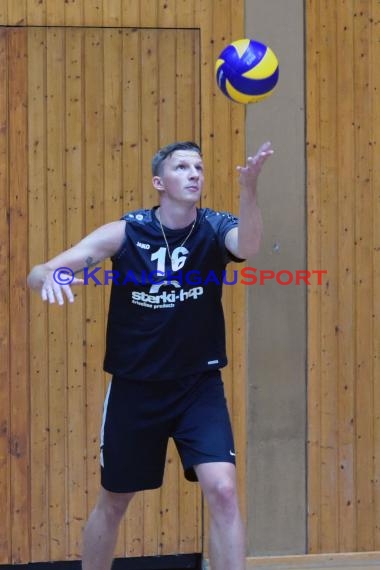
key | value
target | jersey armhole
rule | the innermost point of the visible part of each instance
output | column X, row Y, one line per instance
column 232, row 257
column 122, row 248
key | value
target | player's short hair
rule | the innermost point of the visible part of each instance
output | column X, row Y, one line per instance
column 168, row 150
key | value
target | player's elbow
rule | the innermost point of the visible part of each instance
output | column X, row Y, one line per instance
column 249, row 249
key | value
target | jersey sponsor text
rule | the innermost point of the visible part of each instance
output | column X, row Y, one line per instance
column 166, row 299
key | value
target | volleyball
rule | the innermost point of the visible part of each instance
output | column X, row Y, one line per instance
column 247, row 71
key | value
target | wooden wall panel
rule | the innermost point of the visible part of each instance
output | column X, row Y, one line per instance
column 38, row 314
column 18, row 268
column 374, row 149
column 346, row 354
column 329, row 254
column 343, row 403
column 88, row 161
column 5, row 426
column 363, row 270
column 56, row 340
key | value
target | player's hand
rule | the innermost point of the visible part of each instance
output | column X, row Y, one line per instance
column 55, row 289
column 250, row 172
column 54, row 285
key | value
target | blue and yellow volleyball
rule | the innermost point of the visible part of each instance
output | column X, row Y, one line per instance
column 247, row 71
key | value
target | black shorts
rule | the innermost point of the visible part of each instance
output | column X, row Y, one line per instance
column 140, row 417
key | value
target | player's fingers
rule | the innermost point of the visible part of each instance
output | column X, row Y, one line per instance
column 67, row 289
column 259, row 158
column 49, row 293
column 68, row 292
column 263, row 156
column 253, row 162
column 57, row 289
column 266, row 146
column 44, row 295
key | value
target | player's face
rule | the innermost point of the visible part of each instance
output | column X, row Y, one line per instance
column 182, row 176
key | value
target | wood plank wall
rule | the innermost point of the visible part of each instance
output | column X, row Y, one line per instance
column 343, row 138
column 51, row 381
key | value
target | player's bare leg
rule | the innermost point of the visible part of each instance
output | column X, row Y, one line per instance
column 227, row 534
column 100, row 533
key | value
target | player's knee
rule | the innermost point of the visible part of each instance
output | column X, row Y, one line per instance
column 114, row 506
column 114, row 511
column 223, row 497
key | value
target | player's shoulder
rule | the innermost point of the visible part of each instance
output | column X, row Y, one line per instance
column 140, row 217
column 217, row 218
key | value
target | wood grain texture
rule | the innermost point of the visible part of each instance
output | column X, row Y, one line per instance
column 374, row 146
column 342, row 125
column 314, row 292
column 18, row 333
column 364, row 283
column 5, row 479
column 329, row 255
column 38, row 312
column 346, row 304
column 352, row 560
column 57, row 337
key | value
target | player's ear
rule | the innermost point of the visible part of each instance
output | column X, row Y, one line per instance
column 157, row 183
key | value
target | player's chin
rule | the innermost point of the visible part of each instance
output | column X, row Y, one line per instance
column 193, row 195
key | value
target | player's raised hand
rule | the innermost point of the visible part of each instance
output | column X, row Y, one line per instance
column 250, row 172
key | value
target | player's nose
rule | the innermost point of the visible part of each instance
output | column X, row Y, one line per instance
column 193, row 173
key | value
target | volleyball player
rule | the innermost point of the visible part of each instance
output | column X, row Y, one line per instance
column 166, row 346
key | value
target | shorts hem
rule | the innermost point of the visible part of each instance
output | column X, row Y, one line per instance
column 132, row 488
column 189, row 471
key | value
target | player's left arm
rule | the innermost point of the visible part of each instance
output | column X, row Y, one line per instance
column 244, row 240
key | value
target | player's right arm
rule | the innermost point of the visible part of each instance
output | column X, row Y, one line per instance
column 94, row 248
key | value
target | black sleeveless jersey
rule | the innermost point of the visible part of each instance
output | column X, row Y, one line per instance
column 165, row 318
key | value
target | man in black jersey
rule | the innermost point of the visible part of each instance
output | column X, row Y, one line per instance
column 165, row 346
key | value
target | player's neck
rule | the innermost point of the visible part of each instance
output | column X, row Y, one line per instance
column 176, row 217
